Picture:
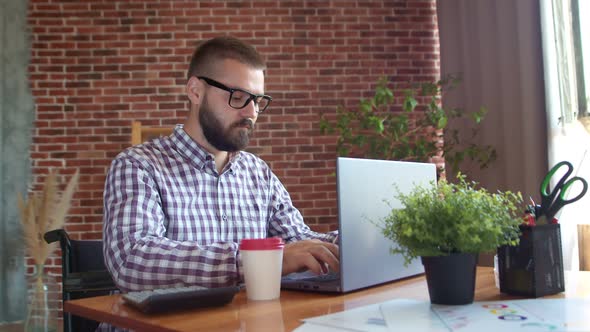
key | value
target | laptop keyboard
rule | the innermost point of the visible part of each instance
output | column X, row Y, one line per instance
column 316, row 278
column 326, row 277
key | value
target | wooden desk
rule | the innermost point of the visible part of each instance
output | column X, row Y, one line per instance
column 286, row 314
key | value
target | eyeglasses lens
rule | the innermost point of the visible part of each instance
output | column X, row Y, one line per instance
column 239, row 99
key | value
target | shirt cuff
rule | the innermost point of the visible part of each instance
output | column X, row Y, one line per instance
column 239, row 269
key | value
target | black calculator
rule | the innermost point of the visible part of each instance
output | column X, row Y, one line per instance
column 188, row 297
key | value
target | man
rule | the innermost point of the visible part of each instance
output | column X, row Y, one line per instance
column 176, row 208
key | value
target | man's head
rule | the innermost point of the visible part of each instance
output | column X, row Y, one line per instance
column 210, row 52
column 226, row 89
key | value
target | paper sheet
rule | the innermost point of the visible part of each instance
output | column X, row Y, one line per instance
column 411, row 315
column 571, row 314
column 363, row 319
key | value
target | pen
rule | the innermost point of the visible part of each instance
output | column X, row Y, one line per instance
column 535, row 208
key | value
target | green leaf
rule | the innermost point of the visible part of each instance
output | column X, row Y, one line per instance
column 366, row 106
column 325, row 127
column 383, row 95
column 410, row 104
column 478, row 116
column 442, row 123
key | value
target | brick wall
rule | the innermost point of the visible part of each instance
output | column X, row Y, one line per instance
column 98, row 65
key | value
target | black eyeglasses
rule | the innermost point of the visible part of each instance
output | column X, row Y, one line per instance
column 239, row 98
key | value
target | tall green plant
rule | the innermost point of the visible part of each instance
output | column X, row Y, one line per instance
column 415, row 133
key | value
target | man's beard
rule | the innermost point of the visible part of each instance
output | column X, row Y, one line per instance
column 232, row 139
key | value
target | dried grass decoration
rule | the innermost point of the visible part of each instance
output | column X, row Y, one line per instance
column 45, row 211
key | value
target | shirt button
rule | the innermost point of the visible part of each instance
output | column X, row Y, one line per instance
column 224, row 217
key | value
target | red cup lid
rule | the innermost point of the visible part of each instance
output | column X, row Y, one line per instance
column 271, row 243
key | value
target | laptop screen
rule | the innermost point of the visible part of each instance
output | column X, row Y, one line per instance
column 366, row 194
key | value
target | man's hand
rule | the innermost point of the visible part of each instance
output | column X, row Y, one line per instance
column 314, row 255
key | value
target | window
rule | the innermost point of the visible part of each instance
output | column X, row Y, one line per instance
column 581, row 40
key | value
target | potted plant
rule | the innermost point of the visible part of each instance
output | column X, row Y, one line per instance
column 415, row 131
column 447, row 226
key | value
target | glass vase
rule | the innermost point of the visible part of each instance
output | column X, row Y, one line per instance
column 43, row 302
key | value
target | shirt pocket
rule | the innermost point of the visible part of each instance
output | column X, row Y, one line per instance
column 251, row 217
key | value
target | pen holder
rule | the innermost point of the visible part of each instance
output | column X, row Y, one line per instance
column 534, row 267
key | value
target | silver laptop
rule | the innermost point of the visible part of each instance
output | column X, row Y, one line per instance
column 366, row 193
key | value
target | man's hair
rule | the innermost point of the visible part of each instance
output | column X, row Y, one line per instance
column 218, row 49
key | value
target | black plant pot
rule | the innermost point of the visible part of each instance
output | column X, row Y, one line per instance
column 451, row 279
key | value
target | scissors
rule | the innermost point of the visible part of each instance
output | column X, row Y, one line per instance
column 553, row 200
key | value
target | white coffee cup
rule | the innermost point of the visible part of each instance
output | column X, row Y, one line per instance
column 262, row 261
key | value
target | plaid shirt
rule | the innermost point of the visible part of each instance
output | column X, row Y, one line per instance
column 171, row 220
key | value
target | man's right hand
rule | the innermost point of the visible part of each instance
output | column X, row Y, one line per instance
column 314, row 255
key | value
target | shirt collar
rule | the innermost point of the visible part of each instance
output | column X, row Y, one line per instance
column 197, row 154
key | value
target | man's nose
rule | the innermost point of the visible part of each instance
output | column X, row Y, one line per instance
column 250, row 110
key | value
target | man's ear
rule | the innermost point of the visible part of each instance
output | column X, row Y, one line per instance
column 194, row 88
